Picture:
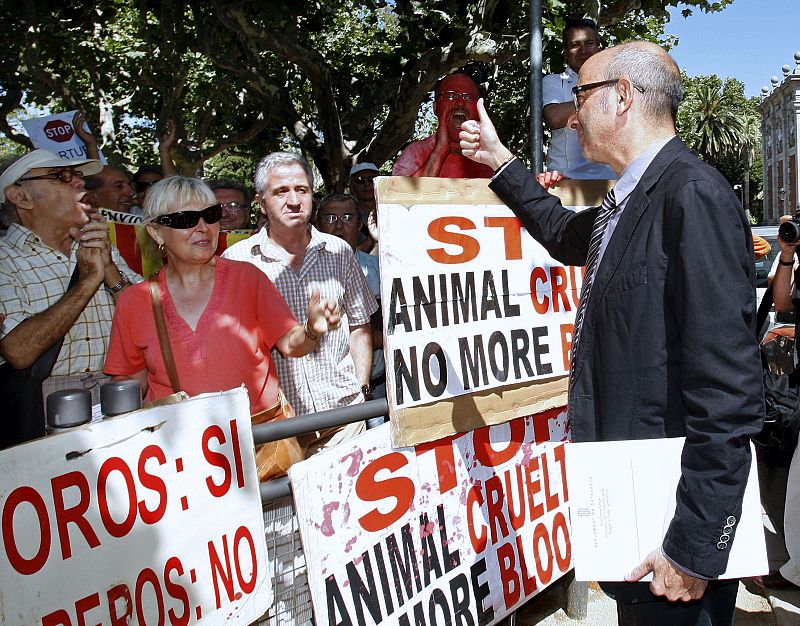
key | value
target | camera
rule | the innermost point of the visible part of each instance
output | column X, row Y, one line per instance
column 789, row 231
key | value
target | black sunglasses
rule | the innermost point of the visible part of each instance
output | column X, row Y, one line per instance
column 190, row 219
column 64, row 175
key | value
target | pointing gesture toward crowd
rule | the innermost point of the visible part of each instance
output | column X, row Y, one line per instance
column 479, row 141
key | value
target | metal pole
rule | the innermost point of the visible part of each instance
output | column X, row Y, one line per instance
column 537, row 134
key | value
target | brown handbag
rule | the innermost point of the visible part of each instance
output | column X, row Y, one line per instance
column 274, row 458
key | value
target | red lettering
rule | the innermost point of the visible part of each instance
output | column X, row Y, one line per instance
column 540, row 536
column 563, row 559
column 369, row 489
column 153, row 483
column 113, row 595
column 574, row 291
column 445, row 460
column 494, row 508
column 512, row 234
column 542, row 305
column 243, row 534
column 149, row 576
column 216, row 459
column 490, row 457
column 112, row 464
column 566, row 342
column 478, row 541
column 469, row 245
column 550, row 499
column 217, row 570
column 75, row 514
column 534, row 486
column 18, row 562
column 237, row 454
column 176, row 591
column 508, row 574
column 558, row 285
column 84, row 605
column 516, row 515
column 528, row 582
column 559, row 453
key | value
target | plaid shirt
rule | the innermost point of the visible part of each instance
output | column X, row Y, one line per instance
column 33, row 277
column 325, row 378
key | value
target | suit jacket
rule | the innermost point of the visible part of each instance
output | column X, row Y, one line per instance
column 668, row 345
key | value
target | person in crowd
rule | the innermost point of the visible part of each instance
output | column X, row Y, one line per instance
column 647, row 359
column 111, row 189
column 211, row 306
column 338, row 215
column 564, row 154
column 440, row 155
column 145, row 177
column 296, row 255
column 362, row 185
column 234, row 198
column 55, row 234
column 783, row 293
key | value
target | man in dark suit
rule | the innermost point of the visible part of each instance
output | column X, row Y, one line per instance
column 665, row 345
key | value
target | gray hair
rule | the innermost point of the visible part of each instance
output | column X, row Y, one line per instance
column 176, row 193
column 278, row 159
column 650, row 68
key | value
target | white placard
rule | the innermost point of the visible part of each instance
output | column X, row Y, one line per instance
column 55, row 133
column 153, row 517
column 470, row 302
column 458, row 531
column 623, row 499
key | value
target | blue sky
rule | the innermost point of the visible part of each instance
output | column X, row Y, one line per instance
column 749, row 40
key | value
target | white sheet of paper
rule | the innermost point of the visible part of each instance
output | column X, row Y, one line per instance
column 622, row 499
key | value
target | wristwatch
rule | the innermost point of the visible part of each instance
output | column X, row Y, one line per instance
column 366, row 391
column 123, row 280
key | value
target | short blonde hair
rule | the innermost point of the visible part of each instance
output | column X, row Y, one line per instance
column 176, row 193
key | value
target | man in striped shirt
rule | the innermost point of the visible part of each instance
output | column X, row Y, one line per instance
column 296, row 257
column 54, row 232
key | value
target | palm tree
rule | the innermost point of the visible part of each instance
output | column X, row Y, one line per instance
column 749, row 146
column 715, row 123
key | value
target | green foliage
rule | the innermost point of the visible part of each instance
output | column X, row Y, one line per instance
column 338, row 81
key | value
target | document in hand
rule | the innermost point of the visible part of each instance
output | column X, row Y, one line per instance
column 622, row 498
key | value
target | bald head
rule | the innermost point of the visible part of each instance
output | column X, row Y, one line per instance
column 651, row 70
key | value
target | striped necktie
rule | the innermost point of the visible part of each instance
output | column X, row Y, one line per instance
column 604, row 215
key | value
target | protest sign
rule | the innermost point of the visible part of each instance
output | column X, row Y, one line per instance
column 478, row 318
column 458, row 531
column 153, row 517
column 55, row 133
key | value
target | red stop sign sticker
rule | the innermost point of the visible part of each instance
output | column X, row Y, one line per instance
column 58, row 130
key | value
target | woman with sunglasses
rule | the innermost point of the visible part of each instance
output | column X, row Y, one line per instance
column 222, row 317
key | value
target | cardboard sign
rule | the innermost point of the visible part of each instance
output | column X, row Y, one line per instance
column 55, row 133
column 459, row 531
column 476, row 313
column 153, row 517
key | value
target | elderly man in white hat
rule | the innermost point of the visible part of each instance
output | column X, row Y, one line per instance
column 54, row 259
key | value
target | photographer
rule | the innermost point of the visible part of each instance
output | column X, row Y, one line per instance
column 783, row 287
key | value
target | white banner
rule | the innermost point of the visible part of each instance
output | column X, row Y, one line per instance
column 470, row 302
column 150, row 518
column 458, row 531
column 55, row 133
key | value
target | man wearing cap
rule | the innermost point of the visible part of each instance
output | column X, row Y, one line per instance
column 362, row 186
column 440, row 155
column 55, row 234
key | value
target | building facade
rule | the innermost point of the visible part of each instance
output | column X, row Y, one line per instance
column 780, row 114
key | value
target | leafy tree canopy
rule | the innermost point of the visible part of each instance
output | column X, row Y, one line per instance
column 339, row 80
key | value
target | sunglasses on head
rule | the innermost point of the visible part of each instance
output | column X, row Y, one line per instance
column 190, row 219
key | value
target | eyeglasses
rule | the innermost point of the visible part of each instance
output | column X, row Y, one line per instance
column 64, row 175
column 452, row 96
column 345, row 218
column 232, row 207
column 579, row 89
column 364, row 180
column 190, row 219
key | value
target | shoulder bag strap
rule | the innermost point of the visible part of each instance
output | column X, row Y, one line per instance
column 163, row 336
column 763, row 313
